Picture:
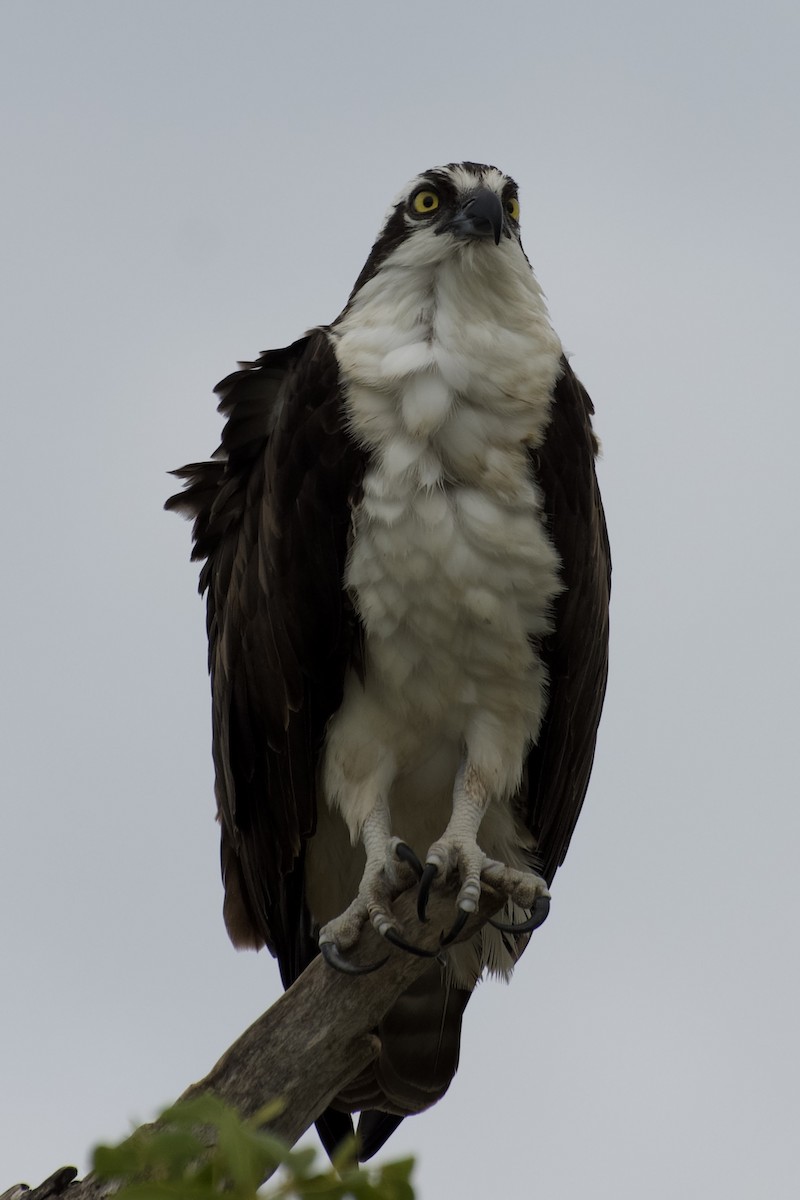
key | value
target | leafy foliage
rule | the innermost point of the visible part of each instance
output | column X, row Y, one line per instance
column 201, row 1148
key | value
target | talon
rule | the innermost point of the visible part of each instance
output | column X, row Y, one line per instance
column 406, row 855
column 426, row 879
column 539, row 914
column 396, row 940
column 456, row 928
column 334, row 958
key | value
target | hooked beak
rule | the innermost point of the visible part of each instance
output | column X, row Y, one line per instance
column 480, row 216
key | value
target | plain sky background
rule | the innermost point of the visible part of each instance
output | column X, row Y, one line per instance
column 185, row 184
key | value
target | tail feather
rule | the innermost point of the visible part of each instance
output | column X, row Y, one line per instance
column 420, row 1040
column 374, row 1128
column 333, row 1129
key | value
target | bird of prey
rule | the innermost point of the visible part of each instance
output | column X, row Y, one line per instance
column 407, row 575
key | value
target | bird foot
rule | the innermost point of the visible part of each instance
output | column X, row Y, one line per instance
column 524, row 889
column 383, row 880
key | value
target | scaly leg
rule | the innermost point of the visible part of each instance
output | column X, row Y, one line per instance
column 458, row 850
column 390, row 868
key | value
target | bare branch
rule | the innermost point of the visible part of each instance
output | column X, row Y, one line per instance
column 320, row 1033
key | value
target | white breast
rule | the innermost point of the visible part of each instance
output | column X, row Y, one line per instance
column 448, row 372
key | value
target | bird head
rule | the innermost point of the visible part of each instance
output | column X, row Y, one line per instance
column 466, row 201
column 462, row 208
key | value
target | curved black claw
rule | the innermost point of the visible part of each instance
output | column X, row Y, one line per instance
column 426, row 879
column 539, row 914
column 407, row 855
column 334, row 958
column 456, row 928
column 396, row 940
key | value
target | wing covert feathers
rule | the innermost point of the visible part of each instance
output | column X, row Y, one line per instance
column 271, row 519
column 576, row 652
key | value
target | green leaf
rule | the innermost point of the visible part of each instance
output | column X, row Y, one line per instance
column 171, row 1161
column 176, row 1190
column 173, row 1151
column 112, row 1162
column 327, row 1186
column 204, row 1109
column 245, row 1156
column 346, row 1155
column 267, row 1112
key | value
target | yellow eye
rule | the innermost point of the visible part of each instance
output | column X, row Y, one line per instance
column 425, row 201
column 512, row 208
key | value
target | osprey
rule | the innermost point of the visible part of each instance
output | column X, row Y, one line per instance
column 407, row 576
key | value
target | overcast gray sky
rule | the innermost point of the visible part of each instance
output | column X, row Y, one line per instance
column 188, row 183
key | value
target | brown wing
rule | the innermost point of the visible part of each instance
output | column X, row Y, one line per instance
column 576, row 653
column 272, row 516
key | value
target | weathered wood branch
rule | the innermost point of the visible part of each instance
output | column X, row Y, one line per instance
column 319, row 1034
